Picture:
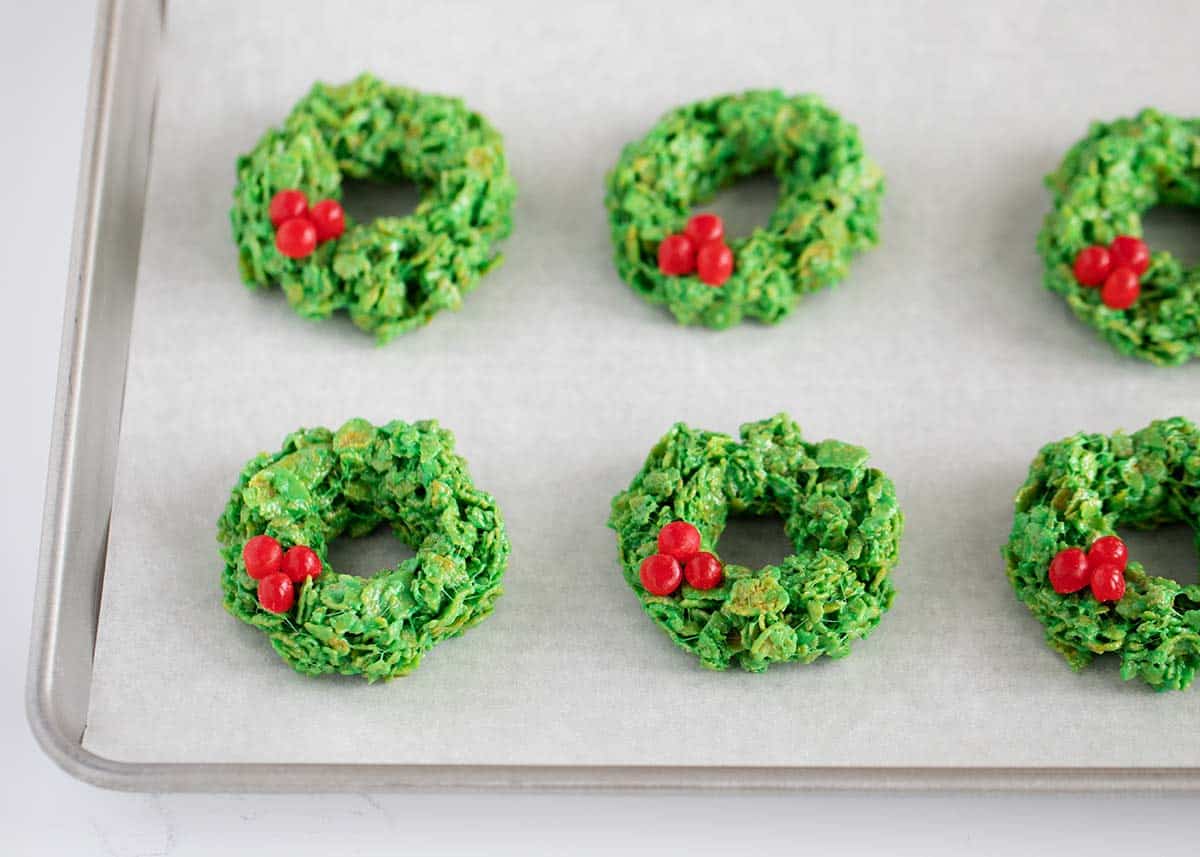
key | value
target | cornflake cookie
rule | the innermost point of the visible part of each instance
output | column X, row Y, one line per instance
column 1075, row 574
column 393, row 274
column 288, row 506
column 1145, row 303
column 828, row 207
column 841, row 516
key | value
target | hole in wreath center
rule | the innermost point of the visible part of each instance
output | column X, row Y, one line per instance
column 367, row 200
column 367, row 555
column 754, row 541
column 745, row 205
column 1167, row 551
column 1174, row 228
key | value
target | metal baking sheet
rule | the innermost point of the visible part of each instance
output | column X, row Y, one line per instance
column 941, row 354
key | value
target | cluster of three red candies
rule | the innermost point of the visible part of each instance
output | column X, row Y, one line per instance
column 679, row 557
column 1102, row 568
column 278, row 573
column 699, row 249
column 298, row 228
column 1116, row 270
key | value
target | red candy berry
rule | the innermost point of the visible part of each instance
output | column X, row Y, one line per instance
column 301, row 562
column 1108, row 583
column 714, row 263
column 296, row 238
column 276, row 593
column 1121, row 289
column 704, row 571
column 677, row 255
column 1093, row 265
column 1069, row 571
column 285, row 205
column 329, row 218
column 1108, row 550
column 703, row 228
column 1129, row 252
column 660, row 574
column 680, row 540
column 262, row 555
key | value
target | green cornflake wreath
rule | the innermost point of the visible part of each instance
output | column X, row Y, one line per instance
column 394, row 273
column 828, row 202
column 1085, row 487
column 841, row 516
column 325, row 484
column 1104, row 185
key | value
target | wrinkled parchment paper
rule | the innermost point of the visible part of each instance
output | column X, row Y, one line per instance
column 941, row 353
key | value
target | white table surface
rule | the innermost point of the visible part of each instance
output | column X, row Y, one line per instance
column 45, row 52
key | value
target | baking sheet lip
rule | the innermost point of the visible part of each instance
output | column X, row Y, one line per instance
column 93, row 161
column 68, row 753
column 287, row 777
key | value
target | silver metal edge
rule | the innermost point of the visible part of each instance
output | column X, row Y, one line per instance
column 61, row 748
column 156, row 777
column 69, row 754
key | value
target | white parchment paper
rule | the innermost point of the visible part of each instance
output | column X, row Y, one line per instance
column 941, row 353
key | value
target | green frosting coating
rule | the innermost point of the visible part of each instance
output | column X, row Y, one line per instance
column 394, row 273
column 325, row 484
column 1082, row 488
column 1104, row 185
column 841, row 516
column 828, row 202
